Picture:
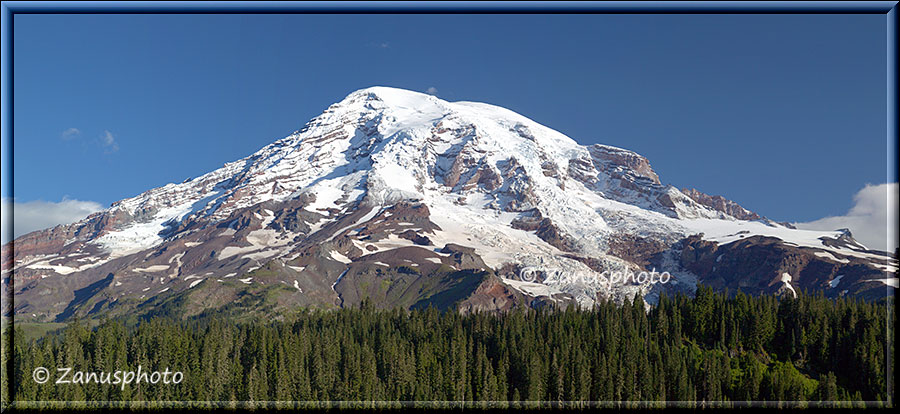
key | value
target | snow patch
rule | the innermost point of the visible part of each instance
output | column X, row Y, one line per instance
column 339, row 279
column 892, row 282
column 339, row 257
column 786, row 279
column 834, row 282
column 531, row 288
column 151, row 269
column 826, row 255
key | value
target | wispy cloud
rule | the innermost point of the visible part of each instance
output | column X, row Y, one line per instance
column 431, row 90
column 384, row 45
column 36, row 215
column 109, row 142
column 70, row 133
column 872, row 220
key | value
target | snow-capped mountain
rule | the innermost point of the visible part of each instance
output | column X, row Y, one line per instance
column 409, row 200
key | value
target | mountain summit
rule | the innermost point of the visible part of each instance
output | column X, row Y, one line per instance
column 408, row 200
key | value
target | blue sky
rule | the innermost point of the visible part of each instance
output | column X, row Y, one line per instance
column 784, row 114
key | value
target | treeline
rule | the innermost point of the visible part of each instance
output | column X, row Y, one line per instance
column 707, row 348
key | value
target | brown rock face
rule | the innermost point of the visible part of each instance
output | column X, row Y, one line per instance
column 490, row 296
column 54, row 239
column 722, row 204
column 533, row 220
column 463, row 257
column 581, row 169
column 756, row 264
column 415, row 238
column 390, row 221
column 620, row 157
column 551, row 234
column 627, row 177
column 485, row 177
column 529, row 220
column 639, row 250
column 517, row 187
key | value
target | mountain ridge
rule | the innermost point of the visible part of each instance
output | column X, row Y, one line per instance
column 478, row 176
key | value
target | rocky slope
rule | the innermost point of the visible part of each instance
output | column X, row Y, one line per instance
column 408, row 200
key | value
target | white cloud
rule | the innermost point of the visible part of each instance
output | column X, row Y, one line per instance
column 37, row 215
column 109, row 141
column 70, row 133
column 431, row 90
column 872, row 219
